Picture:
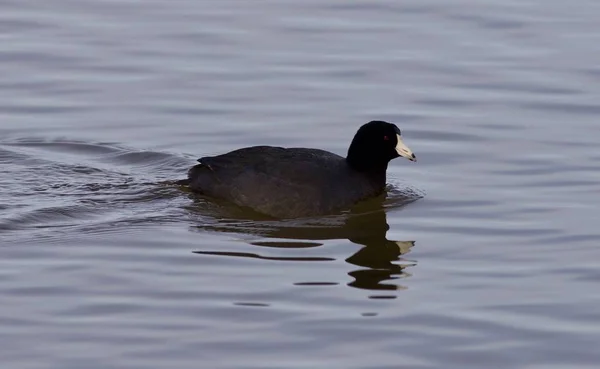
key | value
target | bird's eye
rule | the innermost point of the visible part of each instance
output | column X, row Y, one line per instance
column 386, row 138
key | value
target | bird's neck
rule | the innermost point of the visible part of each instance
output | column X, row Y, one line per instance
column 365, row 165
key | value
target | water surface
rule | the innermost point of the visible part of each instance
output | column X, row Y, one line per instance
column 105, row 264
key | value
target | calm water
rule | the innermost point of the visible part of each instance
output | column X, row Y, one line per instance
column 103, row 264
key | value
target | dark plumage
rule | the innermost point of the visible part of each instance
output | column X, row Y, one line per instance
column 300, row 182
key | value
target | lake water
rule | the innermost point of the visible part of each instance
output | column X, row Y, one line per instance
column 104, row 264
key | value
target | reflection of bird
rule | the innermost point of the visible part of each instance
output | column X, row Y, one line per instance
column 379, row 255
column 379, row 263
column 300, row 182
column 365, row 225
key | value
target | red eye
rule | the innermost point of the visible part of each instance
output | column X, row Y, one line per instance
column 386, row 138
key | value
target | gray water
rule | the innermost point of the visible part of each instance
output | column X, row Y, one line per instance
column 105, row 264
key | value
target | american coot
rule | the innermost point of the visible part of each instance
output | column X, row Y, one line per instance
column 300, row 182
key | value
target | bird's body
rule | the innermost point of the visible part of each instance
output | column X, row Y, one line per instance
column 298, row 182
column 276, row 181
